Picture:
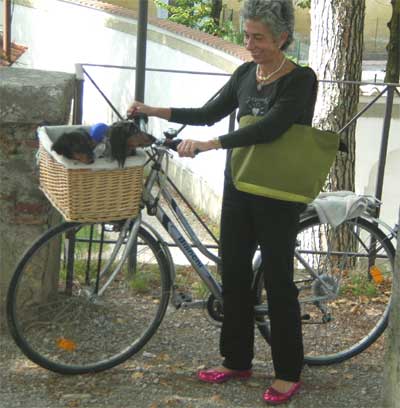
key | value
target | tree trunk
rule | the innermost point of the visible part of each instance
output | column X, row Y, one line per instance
column 216, row 8
column 391, row 380
column 393, row 48
column 336, row 54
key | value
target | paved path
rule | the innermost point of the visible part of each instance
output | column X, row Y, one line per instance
column 162, row 376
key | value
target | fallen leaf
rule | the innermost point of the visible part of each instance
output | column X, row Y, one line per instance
column 66, row 344
column 137, row 375
column 355, row 309
column 163, row 357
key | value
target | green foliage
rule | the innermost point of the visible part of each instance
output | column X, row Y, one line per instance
column 228, row 32
column 359, row 285
column 191, row 13
column 197, row 14
column 303, row 3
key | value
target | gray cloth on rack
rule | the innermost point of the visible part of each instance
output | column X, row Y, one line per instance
column 336, row 207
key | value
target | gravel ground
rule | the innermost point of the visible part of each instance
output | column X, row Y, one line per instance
column 163, row 375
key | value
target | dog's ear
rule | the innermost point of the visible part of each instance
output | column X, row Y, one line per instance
column 61, row 146
column 117, row 138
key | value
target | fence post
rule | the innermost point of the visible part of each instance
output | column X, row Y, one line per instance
column 7, row 29
column 384, row 142
column 141, row 51
column 78, row 95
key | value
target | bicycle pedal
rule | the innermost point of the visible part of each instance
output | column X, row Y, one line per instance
column 195, row 304
column 183, row 297
column 179, row 298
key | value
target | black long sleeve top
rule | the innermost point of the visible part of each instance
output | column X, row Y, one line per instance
column 288, row 100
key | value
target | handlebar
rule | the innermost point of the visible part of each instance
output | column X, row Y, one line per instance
column 170, row 142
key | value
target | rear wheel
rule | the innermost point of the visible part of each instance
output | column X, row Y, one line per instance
column 344, row 277
column 57, row 312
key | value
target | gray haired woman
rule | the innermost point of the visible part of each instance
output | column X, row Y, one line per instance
column 271, row 94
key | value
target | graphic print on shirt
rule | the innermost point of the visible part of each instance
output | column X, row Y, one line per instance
column 257, row 106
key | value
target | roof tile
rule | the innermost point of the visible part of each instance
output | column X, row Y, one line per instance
column 16, row 51
column 204, row 38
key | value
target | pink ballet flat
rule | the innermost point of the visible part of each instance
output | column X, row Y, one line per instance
column 274, row 397
column 215, row 376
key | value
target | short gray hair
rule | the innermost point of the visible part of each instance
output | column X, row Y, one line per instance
column 277, row 15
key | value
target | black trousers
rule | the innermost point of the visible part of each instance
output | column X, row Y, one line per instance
column 246, row 222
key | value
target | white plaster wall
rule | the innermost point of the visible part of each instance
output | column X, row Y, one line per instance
column 368, row 144
column 60, row 34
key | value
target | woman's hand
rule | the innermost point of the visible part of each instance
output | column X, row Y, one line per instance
column 139, row 107
column 189, row 147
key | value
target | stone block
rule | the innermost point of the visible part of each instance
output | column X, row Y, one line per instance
column 35, row 96
column 28, row 98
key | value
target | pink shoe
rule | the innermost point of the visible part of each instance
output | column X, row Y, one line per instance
column 215, row 376
column 274, row 397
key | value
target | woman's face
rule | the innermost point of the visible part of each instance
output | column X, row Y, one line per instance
column 263, row 46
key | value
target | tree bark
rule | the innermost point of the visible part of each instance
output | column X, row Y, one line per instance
column 216, row 8
column 391, row 380
column 336, row 54
column 393, row 48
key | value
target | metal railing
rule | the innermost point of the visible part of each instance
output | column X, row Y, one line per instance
column 390, row 90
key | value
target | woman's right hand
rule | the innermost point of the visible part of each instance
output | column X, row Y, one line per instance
column 139, row 107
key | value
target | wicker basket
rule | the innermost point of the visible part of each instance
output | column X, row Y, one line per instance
column 89, row 194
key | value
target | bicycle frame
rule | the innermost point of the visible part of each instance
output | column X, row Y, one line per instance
column 153, row 207
column 151, row 202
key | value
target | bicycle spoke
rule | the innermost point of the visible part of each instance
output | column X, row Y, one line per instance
column 72, row 328
column 344, row 277
column 349, row 320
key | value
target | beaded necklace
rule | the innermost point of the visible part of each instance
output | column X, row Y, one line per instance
column 263, row 79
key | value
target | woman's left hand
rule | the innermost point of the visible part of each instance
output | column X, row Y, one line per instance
column 189, row 147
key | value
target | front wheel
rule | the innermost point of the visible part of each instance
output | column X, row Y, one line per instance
column 344, row 276
column 59, row 314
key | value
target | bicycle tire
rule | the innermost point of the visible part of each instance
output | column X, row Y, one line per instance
column 61, row 325
column 359, row 312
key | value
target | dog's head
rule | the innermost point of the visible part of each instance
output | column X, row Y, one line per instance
column 75, row 145
column 125, row 136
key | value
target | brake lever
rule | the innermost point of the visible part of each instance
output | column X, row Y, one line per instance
column 172, row 143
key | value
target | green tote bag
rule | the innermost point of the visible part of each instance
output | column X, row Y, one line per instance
column 293, row 167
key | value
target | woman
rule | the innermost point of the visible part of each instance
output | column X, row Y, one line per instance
column 278, row 93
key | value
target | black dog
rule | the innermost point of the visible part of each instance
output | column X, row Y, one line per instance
column 124, row 137
column 121, row 141
column 75, row 145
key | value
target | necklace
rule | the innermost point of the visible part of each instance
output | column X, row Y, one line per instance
column 263, row 79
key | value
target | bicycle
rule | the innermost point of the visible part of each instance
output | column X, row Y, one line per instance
column 87, row 318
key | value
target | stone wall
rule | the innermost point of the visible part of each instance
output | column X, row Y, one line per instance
column 28, row 98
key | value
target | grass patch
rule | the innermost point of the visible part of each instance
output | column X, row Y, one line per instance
column 187, row 280
column 359, row 285
column 146, row 279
